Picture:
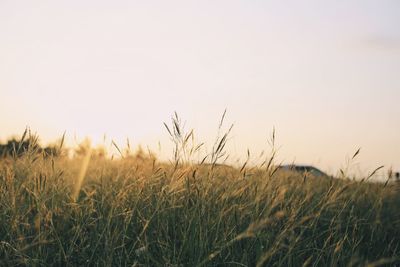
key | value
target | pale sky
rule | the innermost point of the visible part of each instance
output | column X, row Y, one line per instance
column 325, row 74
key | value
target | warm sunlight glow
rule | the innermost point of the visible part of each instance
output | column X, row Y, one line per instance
column 83, row 170
column 200, row 133
column 325, row 75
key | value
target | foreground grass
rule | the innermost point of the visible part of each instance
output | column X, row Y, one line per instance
column 143, row 213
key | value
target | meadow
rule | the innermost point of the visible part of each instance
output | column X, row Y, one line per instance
column 136, row 210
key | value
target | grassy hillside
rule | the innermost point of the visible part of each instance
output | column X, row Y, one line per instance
column 137, row 211
column 140, row 212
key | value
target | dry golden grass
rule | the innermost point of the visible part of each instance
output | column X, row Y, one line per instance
column 137, row 211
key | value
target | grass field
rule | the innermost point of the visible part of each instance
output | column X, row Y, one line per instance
column 137, row 211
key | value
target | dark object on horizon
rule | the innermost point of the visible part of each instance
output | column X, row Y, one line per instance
column 304, row 169
column 16, row 148
column 397, row 176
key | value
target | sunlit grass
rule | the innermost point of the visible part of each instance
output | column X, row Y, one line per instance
column 137, row 211
column 83, row 170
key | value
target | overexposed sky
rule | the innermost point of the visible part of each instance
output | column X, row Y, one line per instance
column 326, row 74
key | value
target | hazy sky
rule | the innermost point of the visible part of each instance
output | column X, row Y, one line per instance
column 326, row 74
